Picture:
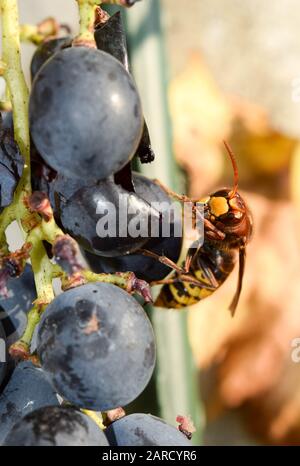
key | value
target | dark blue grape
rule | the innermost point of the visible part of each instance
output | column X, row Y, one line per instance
column 57, row 187
column 3, row 355
column 14, row 308
column 11, row 167
column 97, row 344
column 144, row 267
column 7, row 120
column 144, row 430
column 65, row 188
column 27, row 390
column 56, row 426
column 80, row 219
column 111, row 38
column 85, row 113
column 45, row 51
column 124, row 178
column 152, row 193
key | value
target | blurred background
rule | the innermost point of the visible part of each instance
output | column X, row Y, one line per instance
column 209, row 70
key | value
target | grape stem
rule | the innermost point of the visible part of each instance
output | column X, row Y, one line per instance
column 14, row 77
column 125, row 280
column 37, row 34
column 15, row 82
column 87, row 12
column 95, row 416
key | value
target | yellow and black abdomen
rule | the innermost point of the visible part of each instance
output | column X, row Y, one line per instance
column 208, row 261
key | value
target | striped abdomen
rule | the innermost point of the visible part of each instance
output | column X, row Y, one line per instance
column 218, row 262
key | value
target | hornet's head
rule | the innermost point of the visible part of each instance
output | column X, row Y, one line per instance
column 227, row 216
column 228, row 221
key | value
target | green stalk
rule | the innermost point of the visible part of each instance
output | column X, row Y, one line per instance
column 14, row 77
column 19, row 95
column 87, row 19
column 42, row 268
column 33, row 318
column 95, row 416
column 121, row 280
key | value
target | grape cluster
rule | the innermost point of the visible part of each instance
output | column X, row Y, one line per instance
column 95, row 344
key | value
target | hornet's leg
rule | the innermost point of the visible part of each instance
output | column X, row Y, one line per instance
column 179, row 197
column 183, row 278
column 168, row 262
column 163, row 259
column 208, row 272
column 191, row 254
